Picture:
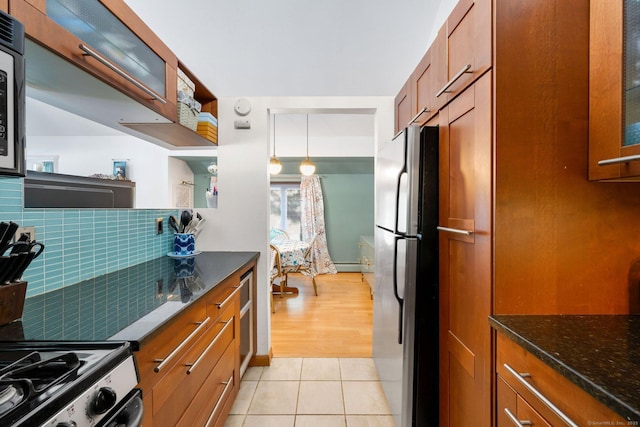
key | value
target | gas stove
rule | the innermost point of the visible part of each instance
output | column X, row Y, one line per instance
column 68, row 384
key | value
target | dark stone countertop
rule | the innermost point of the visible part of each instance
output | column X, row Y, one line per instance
column 126, row 305
column 598, row 353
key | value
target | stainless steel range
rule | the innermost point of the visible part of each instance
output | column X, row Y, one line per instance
column 64, row 384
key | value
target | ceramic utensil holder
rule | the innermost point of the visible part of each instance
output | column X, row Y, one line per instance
column 184, row 244
column 12, row 301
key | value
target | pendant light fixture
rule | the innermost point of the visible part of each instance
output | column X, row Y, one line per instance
column 306, row 166
column 275, row 166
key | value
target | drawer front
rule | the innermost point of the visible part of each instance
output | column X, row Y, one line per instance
column 506, row 401
column 468, row 46
column 568, row 398
column 526, row 414
column 212, row 404
column 162, row 346
column 190, row 373
column 222, row 299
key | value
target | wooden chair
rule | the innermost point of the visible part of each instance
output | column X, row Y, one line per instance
column 304, row 267
column 275, row 271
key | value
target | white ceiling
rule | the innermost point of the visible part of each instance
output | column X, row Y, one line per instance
column 296, row 47
column 284, row 48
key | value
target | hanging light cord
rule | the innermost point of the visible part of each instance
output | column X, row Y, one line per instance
column 307, row 137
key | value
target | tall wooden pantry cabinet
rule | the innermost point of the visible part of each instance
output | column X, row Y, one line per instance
column 524, row 230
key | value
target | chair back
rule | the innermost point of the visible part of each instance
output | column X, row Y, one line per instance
column 277, row 232
column 275, row 269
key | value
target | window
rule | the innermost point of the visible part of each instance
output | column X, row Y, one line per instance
column 285, row 209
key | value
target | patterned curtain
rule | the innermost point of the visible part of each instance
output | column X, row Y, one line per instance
column 312, row 223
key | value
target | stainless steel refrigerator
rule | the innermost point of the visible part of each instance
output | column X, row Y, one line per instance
column 405, row 307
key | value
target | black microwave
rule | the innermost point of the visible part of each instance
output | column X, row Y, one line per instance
column 12, row 97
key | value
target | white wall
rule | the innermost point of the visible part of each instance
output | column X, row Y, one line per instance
column 87, row 155
column 241, row 221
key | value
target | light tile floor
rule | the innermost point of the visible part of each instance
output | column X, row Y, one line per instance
column 311, row 392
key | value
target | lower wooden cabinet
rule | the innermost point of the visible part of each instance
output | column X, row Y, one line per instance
column 189, row 372
column 530, row 392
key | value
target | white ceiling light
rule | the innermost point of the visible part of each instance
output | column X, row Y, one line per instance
column 275, row 166
column 306, row 166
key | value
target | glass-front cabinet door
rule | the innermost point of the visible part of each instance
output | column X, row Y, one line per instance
column 614, row 90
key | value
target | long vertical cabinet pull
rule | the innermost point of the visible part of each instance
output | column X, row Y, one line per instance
column 515, row 420
column 520, row 377
column 228, row 384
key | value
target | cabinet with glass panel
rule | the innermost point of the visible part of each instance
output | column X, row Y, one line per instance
column 108, row 41
column 614, row 90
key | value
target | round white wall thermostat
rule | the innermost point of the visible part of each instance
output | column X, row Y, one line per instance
column 242, row 107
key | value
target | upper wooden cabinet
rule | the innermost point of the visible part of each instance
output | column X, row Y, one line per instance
column 89, row 36
column 468, row 46
column 402, row 105
column 614, row 91
column 458, row 56
column 427, row 78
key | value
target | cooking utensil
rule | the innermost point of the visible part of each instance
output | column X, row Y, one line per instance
column 185, row 218
column 21, row 245
column 3, row 229
column 5, row 266
column 173, row 223
column 13, row 266
column 6, row 238
column 30, row 256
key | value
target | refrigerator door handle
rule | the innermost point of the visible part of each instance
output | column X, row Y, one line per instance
column 395, row 289
column 401, row 210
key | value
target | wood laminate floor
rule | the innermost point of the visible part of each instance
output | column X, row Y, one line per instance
column 336, row 323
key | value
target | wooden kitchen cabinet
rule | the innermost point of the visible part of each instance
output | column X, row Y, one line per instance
column 402, row 107
column 565, row 402
column 429, row 75
column 465, row 256
column 460, row 54
column 190, row 371
column 158, row 93
column 468, row 46
column 614, row 91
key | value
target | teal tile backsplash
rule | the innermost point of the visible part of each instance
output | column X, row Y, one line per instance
column 81, row 244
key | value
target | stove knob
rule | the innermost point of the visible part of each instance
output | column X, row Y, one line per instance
column 104, row 399
column 67, row 424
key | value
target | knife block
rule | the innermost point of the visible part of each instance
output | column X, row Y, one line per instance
column 12, row 301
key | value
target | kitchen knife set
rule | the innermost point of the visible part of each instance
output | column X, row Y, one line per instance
column 15, row 257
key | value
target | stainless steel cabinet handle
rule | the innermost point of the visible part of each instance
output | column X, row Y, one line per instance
column 516, row 421
column 465, row 69
column 228, row 384
column 625, row 159
column 455, row 230
column 231, row 295
column 421, row 112
column 213, row 342
column 117, row 70
column 201, row 325
column 520, row 377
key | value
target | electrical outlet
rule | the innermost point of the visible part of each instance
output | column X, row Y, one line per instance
column 29, row 231
column 159, row 226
